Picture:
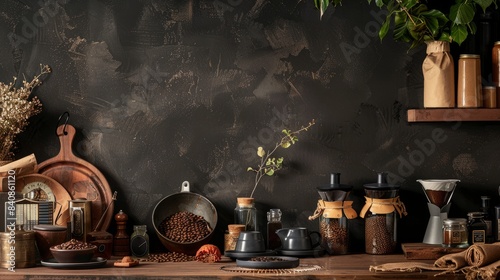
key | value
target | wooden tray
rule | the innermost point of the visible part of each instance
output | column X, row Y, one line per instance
column 422, row 251
column 80, row 178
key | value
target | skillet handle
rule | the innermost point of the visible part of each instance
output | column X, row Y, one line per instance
column 185, row 186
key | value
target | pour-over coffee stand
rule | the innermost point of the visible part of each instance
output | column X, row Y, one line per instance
column 438, row 193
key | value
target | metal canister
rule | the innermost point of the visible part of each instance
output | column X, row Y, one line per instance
column 469, row 88
column 17, row 249
column 80, row 212
column 495, row 59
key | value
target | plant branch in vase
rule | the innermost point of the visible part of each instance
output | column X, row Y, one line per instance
column 269, row 164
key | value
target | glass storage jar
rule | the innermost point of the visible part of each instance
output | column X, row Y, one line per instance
column 381, row 212
column 455, row 233
column 334, row 213
column 245, row 213
column 273, row 224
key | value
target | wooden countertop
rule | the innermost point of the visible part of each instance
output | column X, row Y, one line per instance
column 354, row 266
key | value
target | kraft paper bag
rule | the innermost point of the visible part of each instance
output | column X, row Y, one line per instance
column 439, row 76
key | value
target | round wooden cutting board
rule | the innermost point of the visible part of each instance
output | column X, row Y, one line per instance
column 80, row 178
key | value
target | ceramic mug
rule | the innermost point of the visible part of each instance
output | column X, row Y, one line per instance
column 250, row 242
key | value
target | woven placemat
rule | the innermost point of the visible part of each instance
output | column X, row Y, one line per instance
column 299, row 269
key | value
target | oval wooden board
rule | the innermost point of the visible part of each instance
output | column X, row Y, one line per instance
column 80, row 178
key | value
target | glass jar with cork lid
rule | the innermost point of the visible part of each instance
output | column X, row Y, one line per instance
column 245, row 213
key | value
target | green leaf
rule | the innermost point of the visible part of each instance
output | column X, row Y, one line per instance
column 432, row 25
column 279, row 160
column 462, row 13
column 250, row 169
column 459, row 33
column 484, row 4
column 260, row 152
column 379, row 3
column 270, row 172
column 286, row 145
column 384, row 28
column 442, row 19
column 409, row 3
column 472, row 27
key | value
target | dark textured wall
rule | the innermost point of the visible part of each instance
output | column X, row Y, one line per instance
column 166, row 91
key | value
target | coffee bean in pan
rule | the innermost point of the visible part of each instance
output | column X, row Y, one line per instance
column 185, row 227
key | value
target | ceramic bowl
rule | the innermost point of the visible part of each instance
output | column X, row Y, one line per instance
column 73, row 256
column 47, row 236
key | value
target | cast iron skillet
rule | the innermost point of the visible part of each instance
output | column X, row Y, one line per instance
column 180, row 202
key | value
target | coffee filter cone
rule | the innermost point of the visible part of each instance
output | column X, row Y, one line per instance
column 439, row 184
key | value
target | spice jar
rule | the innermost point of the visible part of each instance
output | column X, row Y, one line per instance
column 477, row 228
column 495, row 58
column 455, row 233
column 489, row 97
column 139, row 241
column 334, row 214
column 469, row 86
column 273, row 224
column 381, row 212
column 245, row 213
column 231, row 236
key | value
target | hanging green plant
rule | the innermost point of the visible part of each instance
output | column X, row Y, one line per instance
column 416, row 23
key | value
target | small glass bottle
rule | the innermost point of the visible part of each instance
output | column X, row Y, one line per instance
column 477, row 228
column 139, row 241
column 455, row 233
column 245, row 213
column 273, row 224
column 487, row 217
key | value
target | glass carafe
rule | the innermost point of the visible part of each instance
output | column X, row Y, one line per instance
column 381, row 213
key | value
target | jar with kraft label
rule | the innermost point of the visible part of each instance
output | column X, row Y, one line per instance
column 476, row 228
column 455, row 233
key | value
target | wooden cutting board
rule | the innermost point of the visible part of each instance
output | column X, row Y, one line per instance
column 80, row 178
column 422, row 251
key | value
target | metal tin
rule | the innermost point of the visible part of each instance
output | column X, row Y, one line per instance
column 469, row 87
column 80, row 212
column 495, row 59
column 20, row 254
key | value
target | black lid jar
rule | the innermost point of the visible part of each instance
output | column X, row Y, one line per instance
column 381, row 211
column 335, row 191
column 334, row 213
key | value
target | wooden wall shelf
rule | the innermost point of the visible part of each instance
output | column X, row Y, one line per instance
column 453, row 114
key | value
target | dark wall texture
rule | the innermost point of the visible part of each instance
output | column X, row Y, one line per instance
column 166, row 91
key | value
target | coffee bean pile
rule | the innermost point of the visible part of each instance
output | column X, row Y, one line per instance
column 185, row 227
column 169, row 257
column 334, row 236
column 379, row 238
column 74, row 244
